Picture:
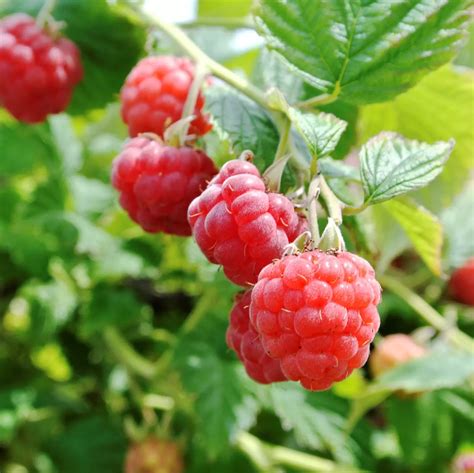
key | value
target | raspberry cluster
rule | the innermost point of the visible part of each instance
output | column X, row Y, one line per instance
column 157, row 183
column 461, row 284
column 38, row 72
column 154, row 455
column 241, row 226
column 245, row 341
column 392, row 351
column 154, row 94
column 316, row 314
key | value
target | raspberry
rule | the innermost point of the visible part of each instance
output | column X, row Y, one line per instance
column 463, row 463
column 239, row 225
column 154, row 94
column 245, row 341
column 461, row 284
column 37, row 71
column 392, row 351
column 154, row 455
column 157, row 182
column 316, row 313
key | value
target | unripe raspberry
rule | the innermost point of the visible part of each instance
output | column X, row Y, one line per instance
column 154, row 95
column 316, row 313
column 463, row 463
column 392, row 351
column 154, row 455
column 38, row 72
column 241, row 226
column 157, row 183
column 245, row 341
column 461, row 283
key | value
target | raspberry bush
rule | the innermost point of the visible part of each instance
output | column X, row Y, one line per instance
column 221, row 236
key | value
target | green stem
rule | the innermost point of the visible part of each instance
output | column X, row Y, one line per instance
column 200, row 56
column 231, row 23
column 267, row 456
column 430, row 315
column 201, row 309
column 313, row 194
column 354, row 210
column 322, row 99
column 283, row 143
column 126, row 354
column 334, row 205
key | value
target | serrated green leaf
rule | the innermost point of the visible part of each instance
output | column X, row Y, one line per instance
column 437, row 370
column 423, row 229
column 247, row 125
column 391, row 165
column 459, row 229
column 271, row 71
column 315, row 425
column 438, row 108
column 223, row 404
column 369, row 52
column 321, row 131
column 110, row 42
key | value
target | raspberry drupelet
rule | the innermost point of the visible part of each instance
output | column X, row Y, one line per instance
column 157, row 183
column 238, row 224
column 316, row 314
column 461, row 284
column 245, row 341
column 154, row 95
column 38, row 72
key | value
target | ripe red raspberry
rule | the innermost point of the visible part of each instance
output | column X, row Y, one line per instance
column 316, row 313
column 245, row 341
column 392, row 351
column 157, row 183
column 154, row 94
column 154, row 455
column 38, row 72
column 239, row 225
column 461, row 284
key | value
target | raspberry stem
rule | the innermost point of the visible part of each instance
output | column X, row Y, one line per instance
column 313, row 194
column 428, row 313
column 200, row 56
column 123, row 352
column 267, row 457
column 334, row 205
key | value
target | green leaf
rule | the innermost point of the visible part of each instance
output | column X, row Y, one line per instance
column 37, row 149
column 92, row 444
column 440, row 369
column 271, row 71
column 110, row 306
column 459, row 229
column 338, row 169
column 423, row 229
column 91, row 196
column 109, row 39
column 321, row 131
column 391, row 165
column 247, row 125
column 67, row 143
column 49, row 307
column 367, row 51
column 438, row 108
column 223, row 404
column 317, row 420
